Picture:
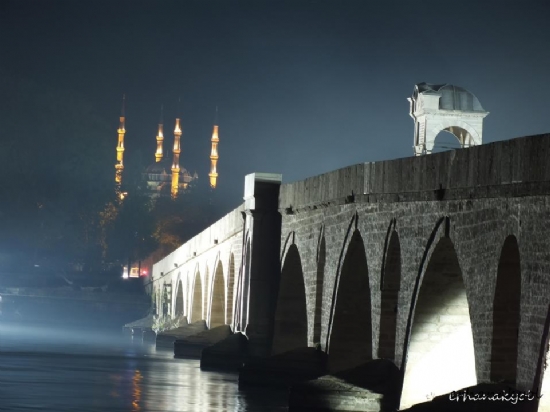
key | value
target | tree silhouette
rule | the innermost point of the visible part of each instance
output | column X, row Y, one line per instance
column 54, row 180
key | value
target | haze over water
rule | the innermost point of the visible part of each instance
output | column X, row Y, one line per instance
column 55, row 370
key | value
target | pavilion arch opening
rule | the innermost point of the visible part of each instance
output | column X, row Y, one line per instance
column 506, row 314
column 217, row 313
column 290, row 329
column 230, row 289
column 196, row 311
column 451, row 138
column 389, row 298
column 321, row 259
column 179, row 300
column 351, row 333
column 440, row 355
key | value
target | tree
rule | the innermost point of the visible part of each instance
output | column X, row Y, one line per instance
column 130, row 234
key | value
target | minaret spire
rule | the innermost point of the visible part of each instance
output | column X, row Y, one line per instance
column 176, row 151
column 119, row 166
column 213, row 175
column 160, row 138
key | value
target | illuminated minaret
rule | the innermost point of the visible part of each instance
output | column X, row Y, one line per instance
column 214, row 154
column 176, row 163
column 120, row 147
column 160, row 139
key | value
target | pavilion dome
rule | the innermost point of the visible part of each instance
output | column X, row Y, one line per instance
column 452, row 97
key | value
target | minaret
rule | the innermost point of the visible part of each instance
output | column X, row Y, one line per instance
column 120, row 147
column 176, row 163
column 160, row 139
column 213, row 175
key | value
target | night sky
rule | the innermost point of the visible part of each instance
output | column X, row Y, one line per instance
column 303, row 87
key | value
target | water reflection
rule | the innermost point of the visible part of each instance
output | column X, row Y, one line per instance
column 86, row 371
column 137, row 391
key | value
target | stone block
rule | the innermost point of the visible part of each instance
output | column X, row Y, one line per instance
column 228, row 354
column 371, row 387
column 191, row 346
column 149, row 336
column 167, row 338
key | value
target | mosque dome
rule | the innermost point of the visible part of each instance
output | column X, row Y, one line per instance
column 159, row 168
column 164, row 168
column 452, row 97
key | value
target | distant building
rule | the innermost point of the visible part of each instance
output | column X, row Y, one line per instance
column 158, row 179
column 165, row 178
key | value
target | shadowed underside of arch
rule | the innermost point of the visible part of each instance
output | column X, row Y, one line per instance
column 290, row 329
column 179, row 300
column 217, row 315
column 319, row 292
column 245, row 288
column 165, row 301
column 196, row 311
column 389, row 299
column 440, row 356
column 351, row 335
column 506, row 314
column 230, row 289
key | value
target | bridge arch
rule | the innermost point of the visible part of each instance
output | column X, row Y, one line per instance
column 350, row 331
column 290, row 327
column 196, row 301
column 230, row 288
column 439, row 350
column 241, row 310
column 390, row 282
column 156, row 300
column 246, row 285
column 217, row 300
column 506, row 314
column 178, row 308
column 320, row 280
column 165, row 307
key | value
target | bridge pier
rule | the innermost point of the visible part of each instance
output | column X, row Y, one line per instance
column 261, row 265
column 192, row 346
column 372, row 387
column 228, row 354
column 168, row 337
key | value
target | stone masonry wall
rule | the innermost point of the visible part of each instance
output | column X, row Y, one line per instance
column 478, row 229
column 202, row 254
column 487, row 192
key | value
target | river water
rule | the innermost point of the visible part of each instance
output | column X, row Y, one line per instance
column 55, row 370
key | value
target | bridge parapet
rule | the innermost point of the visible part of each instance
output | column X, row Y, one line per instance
column 225, row 228
column 457, row 172
column 197, row 279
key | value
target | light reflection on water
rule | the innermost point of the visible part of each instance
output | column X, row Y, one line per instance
column 79, row 371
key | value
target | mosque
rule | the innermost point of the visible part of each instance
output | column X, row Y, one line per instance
column 165, row 177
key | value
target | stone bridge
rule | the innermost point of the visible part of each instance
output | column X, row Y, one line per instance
column 439, row 263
